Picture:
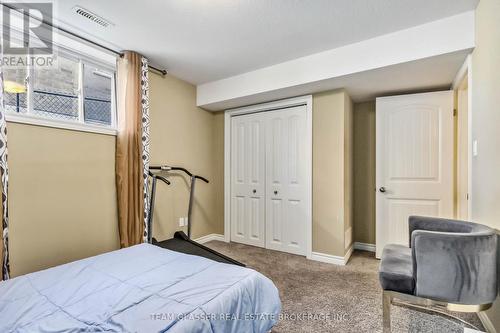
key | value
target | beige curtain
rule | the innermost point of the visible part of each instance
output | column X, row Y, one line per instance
column 131, row 147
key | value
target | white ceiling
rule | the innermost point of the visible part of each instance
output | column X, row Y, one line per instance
column 205, row 40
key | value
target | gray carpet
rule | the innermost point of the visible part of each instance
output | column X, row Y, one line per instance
column 318, row 297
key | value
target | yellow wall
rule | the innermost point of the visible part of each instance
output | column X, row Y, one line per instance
column 485, row 119
column 184, row 135
column 331, row 212
column 62, row 196
column 364, row 172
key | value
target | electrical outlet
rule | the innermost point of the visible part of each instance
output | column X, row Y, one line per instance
column 183, row 221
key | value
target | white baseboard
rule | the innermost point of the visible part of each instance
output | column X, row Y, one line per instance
column 348, row 254
column 488, row 325
column 331, row 259
column 364, row 246
column 210, row 237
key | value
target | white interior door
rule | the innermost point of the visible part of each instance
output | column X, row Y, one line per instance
column 248, row 179
column 286, row 192
column 414, row 153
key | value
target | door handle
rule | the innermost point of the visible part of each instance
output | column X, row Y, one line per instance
column 254, row 191
column 382, row 189
column 275, row 192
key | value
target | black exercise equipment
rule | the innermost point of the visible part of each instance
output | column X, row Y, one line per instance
column 181, row 242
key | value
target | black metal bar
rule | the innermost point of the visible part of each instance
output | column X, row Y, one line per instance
column 151, row 209
column 119, row 53
column 171, row 168
column 152, row 202
column 96, row 100
column 17, row 103
column 54, row 94
column 165, row 180
column 70, row 96
column 190, row 207
column 202, row 178
column 161, row 71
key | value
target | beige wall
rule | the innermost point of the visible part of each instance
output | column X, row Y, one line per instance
column 62, row 196
column 330, row 116
column 364, row 172
column 218, row 182
column 348, row 171
column 185, row 135
column 485, row 119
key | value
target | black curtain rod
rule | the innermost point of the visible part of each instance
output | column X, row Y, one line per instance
column 119, row 53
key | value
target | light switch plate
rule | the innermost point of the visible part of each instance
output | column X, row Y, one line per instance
column 474, row 147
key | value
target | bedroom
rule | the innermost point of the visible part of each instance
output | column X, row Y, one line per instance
column 74, row 153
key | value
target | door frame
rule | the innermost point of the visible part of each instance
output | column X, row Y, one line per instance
column 465, row 71
column 264, row 107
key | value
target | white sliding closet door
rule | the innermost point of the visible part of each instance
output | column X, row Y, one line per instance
column 286, row 192
column 248, row 179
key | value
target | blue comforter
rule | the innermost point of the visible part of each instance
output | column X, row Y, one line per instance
column 143, row 288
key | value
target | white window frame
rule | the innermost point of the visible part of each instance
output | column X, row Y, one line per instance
column 79, row 124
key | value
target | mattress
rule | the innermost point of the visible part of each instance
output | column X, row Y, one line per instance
column 143, row 288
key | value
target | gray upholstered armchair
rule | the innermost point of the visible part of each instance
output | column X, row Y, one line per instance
column 450, row 264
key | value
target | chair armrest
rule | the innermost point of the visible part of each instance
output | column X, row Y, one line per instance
column 455, row 267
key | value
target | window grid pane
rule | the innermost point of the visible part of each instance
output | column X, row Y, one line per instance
column 16, row 102
column 15, row 90
column 55, row 105
column 97, row 96
column 55, row 90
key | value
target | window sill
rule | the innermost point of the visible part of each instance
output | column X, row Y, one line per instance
column 72, row 126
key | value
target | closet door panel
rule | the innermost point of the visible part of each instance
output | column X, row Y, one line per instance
column 295, row 230
column 275, row 224
column 238, row 212
column 295, row 237
column 238, row 188
column 256, row 163
column 276, row 180
column 248, row 180
column 286, row 180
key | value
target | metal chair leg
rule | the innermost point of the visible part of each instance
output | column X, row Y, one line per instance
column 386, row 311
column 420, row 303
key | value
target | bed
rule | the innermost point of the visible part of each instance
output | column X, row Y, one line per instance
column 142, row 288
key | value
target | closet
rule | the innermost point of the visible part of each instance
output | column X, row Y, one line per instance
column 270, row 192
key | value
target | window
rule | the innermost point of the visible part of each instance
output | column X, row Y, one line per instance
column 15, row 90
column 74, row 93
column 97, row 95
